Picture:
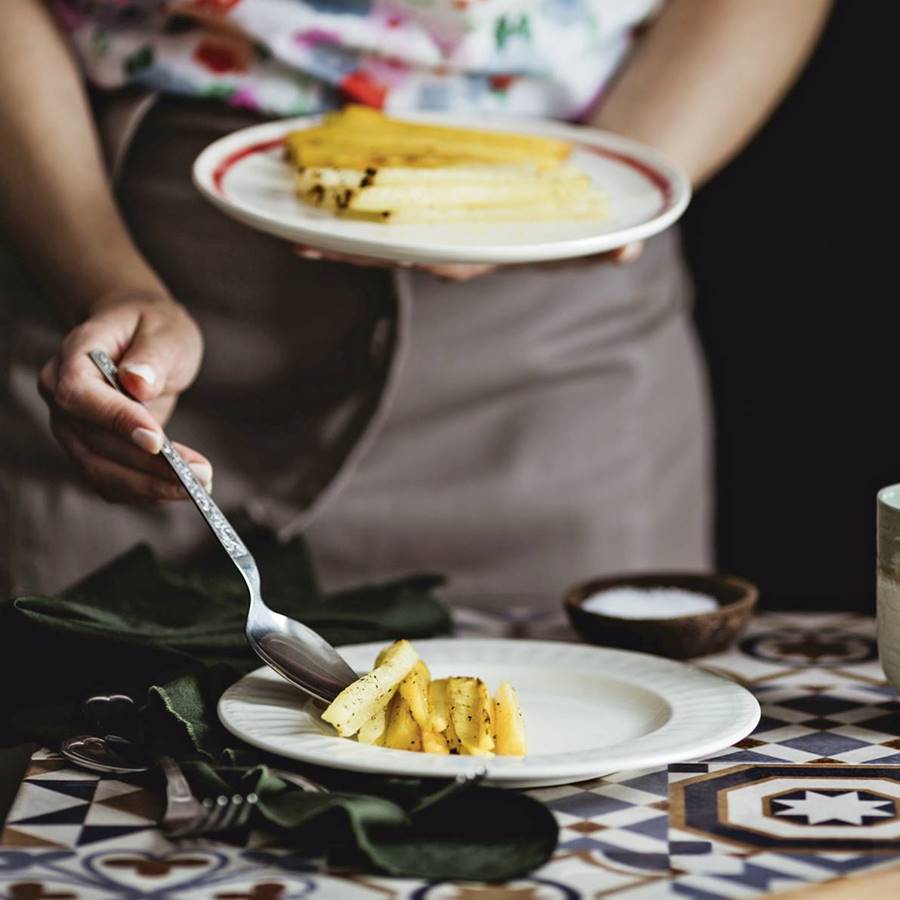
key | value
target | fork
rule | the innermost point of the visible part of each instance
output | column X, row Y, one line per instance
column 222, row 813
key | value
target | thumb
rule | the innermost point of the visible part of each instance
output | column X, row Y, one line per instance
column 160, row 358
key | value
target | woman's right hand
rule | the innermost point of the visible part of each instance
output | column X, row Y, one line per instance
column 111, row 438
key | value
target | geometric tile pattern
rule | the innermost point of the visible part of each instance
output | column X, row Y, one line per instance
column 811, row 796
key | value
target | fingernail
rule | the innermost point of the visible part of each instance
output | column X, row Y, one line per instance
column 148, row 440
column 308, row 253
column 630, row 252
column 142, row 371
column 203, row 474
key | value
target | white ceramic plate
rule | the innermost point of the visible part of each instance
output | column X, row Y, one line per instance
column 245, row 175
column 588, row 711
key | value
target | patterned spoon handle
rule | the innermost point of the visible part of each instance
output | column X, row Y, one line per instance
column 215, row 518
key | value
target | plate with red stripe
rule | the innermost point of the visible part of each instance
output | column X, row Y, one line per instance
column 245, row 174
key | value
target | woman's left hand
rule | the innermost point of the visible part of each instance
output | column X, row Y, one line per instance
column 467, row 271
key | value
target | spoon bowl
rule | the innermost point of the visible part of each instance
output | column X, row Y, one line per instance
column 296, row 652
column 111, row 755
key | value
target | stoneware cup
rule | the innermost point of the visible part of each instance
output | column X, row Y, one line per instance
column 889, row 582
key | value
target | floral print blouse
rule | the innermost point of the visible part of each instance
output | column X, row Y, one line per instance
column 292, row 57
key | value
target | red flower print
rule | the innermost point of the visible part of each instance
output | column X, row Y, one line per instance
column 502, row 83
column 220, row 55
column 361, row 87
column 213, row 6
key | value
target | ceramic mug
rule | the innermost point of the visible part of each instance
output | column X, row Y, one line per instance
column 889, row 582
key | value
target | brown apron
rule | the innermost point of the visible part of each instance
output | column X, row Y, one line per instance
column 517, row 432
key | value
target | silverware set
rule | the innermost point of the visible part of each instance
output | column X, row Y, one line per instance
column 185, row 815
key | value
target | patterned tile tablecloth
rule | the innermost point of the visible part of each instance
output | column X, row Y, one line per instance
column 813, row 795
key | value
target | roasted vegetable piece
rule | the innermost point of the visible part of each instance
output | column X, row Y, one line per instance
column 355, row 137
column 453, row 744
column 509, row 728
column 485, row 718
column 362, row 699
column 398, row 705
column 473, row 192
column 462, row 701
column 433, row 742
column 414, row 689
column 372, row 730
column 437, row 702
column 402, row 733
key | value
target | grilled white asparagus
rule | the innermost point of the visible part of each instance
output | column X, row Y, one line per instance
column 509, row 727
column 360, row 702
column 466, row 193
column 397, row 705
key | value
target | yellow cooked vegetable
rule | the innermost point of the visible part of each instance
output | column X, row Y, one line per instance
column 362, row 699
column 434, row 742
column 402, row 732
column 357, row 137
column 439, row 716
column 464, row 705
column 474, row 193
column 414, row 689
column 372, row 730
column 453, row 742
column 363, row 165
column 397, row 705
column 509, row 728
column 485, row 713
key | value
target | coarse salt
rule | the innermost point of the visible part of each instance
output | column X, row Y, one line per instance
column 649, row 603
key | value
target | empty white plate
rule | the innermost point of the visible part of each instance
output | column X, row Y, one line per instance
column 246, row 176
column 588, row 711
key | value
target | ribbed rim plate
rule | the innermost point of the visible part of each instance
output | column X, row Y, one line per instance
column 589, row 711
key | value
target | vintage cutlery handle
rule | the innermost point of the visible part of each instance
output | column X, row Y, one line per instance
column 215, row 518
column 177, row 788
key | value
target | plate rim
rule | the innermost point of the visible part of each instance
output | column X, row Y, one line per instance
column 742, row 717
column 205, row 165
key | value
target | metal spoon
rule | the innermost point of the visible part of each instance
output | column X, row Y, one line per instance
column 296, row 652
column 110, row 754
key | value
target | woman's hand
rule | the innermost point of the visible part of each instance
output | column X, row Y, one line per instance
column 467, row 271
column 60, row 210
column 112, row 439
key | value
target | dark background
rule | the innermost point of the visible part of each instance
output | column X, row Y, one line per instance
column 795, row 256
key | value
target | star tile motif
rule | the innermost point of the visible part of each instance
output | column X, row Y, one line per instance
column 817, row 807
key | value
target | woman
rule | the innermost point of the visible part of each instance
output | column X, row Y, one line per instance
column 517, row 429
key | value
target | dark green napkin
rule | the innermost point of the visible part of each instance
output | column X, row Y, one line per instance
column 172, row 638
column 412, row 827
